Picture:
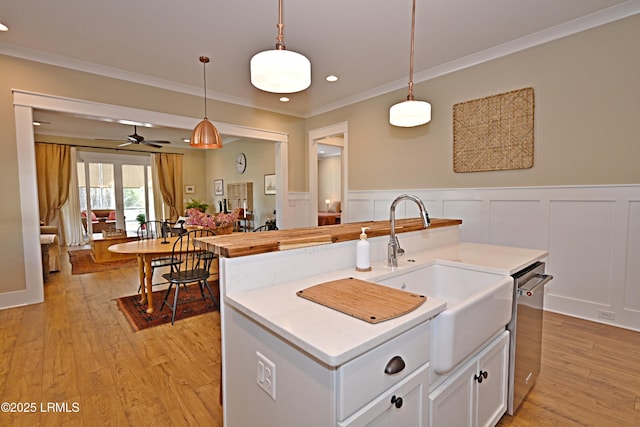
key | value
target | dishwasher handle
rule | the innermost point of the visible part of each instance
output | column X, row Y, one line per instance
column 532, row 289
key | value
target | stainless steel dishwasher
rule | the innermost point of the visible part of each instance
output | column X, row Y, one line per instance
column 525, row 348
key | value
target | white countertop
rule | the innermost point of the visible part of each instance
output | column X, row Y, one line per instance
column 334, row 338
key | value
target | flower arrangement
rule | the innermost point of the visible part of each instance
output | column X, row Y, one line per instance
column 219, row 220
column 197, row 204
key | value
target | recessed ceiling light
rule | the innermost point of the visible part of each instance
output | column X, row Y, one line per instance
column 186, row 140
column 331, row 78
column 284, row 99
column 36, row 123
column 3, row 27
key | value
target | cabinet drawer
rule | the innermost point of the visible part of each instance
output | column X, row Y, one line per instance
column 364, row 378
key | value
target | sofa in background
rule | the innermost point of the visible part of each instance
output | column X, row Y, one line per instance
column 101, row 219
column 50, row 247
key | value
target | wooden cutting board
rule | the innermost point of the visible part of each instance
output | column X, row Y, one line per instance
column 364, row 300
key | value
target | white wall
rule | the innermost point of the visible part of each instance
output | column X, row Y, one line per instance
column 592, row 234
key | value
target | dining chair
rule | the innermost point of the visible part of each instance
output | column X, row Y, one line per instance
column 265, row 227
column 194, row 268
column 156, row 230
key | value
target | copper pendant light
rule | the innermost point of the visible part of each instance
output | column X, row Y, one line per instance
column 410, row 113
column 205, row 134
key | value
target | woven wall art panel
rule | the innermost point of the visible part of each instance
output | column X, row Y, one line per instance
column 494, row 133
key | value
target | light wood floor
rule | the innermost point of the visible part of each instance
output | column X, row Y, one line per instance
column 78, row 348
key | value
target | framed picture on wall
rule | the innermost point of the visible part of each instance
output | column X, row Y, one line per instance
column 270, row 184
column 189, row 189
column 218, row 187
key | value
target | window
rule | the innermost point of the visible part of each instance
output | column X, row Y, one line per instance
column 119, row 187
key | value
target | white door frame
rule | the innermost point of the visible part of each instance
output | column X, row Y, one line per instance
column 25, row 102
column 314, row 136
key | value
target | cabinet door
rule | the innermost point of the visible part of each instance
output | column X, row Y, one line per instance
column 492, row 392
column 451, row 404
column 412, row 410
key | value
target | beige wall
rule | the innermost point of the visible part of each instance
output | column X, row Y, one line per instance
column 587, row 107
column 220, row 164
column 329, row 180
column 587, row 115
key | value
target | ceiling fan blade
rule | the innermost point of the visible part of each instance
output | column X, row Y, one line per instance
column 150, row 144
column 158, row 141
column 125, row 144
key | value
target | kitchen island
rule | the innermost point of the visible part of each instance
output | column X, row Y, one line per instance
column 292, row 360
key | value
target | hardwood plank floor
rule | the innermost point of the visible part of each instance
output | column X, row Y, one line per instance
column 77, row 347
column 590, row 376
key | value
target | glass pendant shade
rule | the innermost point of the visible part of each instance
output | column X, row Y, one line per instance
column 410, row 113
column 280, row 71
column 205, row 135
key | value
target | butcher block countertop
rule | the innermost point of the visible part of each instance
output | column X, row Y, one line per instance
column 243, row 244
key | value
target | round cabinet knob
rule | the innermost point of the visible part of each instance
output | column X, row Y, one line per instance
column 394, row 366
column 481, row 376
column 397, row 401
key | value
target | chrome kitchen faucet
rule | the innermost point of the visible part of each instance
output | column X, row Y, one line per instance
column 393, row 248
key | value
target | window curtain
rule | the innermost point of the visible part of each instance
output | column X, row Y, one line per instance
column 169, row 168
column 72, row 231
column 53, row 164
column 158, row 200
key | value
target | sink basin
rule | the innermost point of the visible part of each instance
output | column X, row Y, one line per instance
column 478, row 306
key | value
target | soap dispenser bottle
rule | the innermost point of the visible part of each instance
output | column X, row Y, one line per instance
column 363, row 261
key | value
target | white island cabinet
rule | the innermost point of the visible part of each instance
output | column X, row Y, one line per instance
column 476, row 394
column 307, row 392
column 288, row 361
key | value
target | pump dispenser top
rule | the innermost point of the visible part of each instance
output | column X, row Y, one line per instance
column 363, row 259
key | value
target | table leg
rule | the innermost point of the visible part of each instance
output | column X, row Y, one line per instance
column 143, row 290
column 149, row 280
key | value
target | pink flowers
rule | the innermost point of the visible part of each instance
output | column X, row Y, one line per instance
column 195, row 217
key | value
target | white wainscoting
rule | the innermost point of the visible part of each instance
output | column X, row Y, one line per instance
column 592, row 234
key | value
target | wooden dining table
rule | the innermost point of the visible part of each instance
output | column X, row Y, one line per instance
column 146, row 250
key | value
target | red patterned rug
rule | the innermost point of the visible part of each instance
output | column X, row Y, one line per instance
column 190, row 303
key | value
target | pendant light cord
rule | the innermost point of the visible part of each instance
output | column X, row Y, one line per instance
column 280, row 38
column 413, row 30
column 204, row 60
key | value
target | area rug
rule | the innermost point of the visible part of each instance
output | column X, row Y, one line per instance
column 190, row 303
column 82, row 263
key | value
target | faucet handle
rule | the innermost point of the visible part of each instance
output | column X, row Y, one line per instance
column 399, row 250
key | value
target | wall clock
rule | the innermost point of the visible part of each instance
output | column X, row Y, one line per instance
column 241, row 163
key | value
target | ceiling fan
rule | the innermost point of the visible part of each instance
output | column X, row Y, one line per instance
column 134, row 138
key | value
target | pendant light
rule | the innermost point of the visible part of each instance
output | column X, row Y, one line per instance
column 410, row 113
column 205, row 134
column 280, row 70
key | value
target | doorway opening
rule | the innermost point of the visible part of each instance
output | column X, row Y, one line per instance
column 328, row 174
column 25, row 102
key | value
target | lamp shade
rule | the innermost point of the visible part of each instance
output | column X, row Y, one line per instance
column 280, row 71
column 410, row 113
column 205, row 135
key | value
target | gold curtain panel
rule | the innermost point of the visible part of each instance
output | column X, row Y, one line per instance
column 494, row 133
